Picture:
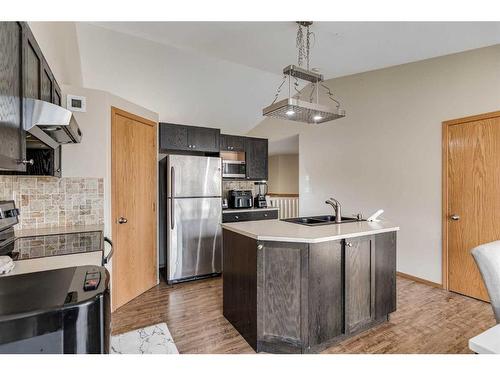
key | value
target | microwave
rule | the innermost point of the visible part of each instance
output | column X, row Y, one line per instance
column 233, row 169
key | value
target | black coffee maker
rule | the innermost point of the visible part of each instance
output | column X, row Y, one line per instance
column 259, row 200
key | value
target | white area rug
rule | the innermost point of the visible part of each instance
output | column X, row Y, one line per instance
column 154, row 339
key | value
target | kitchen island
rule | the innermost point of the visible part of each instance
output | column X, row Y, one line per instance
column 291, row 288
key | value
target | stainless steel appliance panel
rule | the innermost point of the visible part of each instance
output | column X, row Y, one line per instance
column 194, row 176
column 233, row 169
column 194, row 237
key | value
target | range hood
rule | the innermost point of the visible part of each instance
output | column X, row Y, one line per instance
column 50, row 123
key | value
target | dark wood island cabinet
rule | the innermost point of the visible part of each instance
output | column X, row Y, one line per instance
column 301, row 297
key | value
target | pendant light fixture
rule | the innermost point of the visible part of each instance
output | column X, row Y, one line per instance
column 295, row 107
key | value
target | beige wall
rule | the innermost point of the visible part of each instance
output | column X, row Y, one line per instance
column 387, row 152
column 182, row 86
column 284, row 174
column 92, row 157
column 58, row 41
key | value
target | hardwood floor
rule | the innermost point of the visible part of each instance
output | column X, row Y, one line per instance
column 428, row 320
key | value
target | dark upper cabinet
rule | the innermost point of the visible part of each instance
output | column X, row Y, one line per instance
column 24, row 73
column 12, row 143
column 232, row 143
column 203, row 139
column 57, row 95
column 175, row 137
column 256, row 158
column 46, row 85
column 39, row 82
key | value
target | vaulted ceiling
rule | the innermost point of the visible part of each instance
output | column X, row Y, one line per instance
column 340, row 48
column 222, row 74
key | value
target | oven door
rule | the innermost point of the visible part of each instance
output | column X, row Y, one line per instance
column 233, row 169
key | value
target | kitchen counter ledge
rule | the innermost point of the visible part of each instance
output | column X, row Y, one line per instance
column 35, row 232
column 277, row 230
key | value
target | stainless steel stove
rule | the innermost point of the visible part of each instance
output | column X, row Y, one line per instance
column 64, row 308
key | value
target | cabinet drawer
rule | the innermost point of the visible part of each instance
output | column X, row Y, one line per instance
column 264, row 215
column 231, row 217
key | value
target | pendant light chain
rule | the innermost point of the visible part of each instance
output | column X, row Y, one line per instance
column 308, row 46
column 299, row 43
column 303, row 44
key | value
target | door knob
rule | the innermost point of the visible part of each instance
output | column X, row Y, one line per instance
column 122, row 220
column 454, row 217
column 348, row 244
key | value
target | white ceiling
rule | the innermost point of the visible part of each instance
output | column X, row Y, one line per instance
column 341, row 48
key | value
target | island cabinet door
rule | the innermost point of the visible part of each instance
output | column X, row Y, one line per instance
column 385, row 274
column 281, row 297
column 326, row 313
column 359, row 283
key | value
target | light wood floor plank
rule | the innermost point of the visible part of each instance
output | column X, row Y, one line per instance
column 428, row 320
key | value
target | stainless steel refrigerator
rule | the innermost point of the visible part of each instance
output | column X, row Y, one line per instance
column 194, row 214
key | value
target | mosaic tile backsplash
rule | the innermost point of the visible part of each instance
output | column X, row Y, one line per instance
column 61, row 244
column 53, row 202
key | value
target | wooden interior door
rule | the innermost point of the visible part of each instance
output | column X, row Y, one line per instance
column 471, row 199
column 134, row 192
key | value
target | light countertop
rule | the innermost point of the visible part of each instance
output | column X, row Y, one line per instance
column 487, row 342
column 55, row 262
column 277, row 230
column 252, row 209
column 58, row 230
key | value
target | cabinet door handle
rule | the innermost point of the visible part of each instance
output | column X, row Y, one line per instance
column 260, row 247
column 236, row 217
column 26, row 161
column 455, row 217
column 348, row 244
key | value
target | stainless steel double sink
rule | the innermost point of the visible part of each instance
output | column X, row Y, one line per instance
column 320, row 220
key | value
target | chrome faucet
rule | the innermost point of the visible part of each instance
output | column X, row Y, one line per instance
column 337, row 208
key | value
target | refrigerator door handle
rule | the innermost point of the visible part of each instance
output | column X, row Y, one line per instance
column 172, row 195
